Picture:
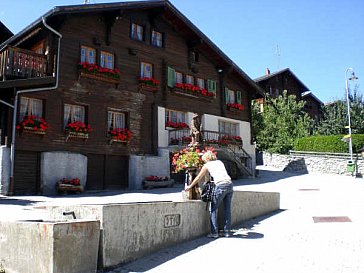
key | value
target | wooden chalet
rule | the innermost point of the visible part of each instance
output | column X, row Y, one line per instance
column 5, row 33
column 104, row 92
column 275, row 83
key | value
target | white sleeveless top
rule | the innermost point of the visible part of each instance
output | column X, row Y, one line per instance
column 217, row 171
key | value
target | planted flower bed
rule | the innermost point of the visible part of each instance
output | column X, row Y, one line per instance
column 153, row 181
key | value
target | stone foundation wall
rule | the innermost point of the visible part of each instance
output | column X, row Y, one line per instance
column 310, row 163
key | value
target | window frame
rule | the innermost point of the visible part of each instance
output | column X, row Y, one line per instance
column 104, row 61
column 144, row 71
column 169, row 116
column 29, row 107
column 157, row 38
column 201, row 83
column 114, row 113
column 192, row 81
column 233, row 128
column 135, row 32
column 72, row 118
column 86, row 57
column 178, row 77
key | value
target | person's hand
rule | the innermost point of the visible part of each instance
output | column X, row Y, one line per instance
column 187, row 188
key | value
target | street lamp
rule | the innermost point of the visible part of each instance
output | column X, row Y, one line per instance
column 353, row 77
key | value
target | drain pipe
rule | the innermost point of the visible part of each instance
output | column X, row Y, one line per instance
column 12, row 147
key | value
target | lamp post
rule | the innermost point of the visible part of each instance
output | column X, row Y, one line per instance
column 353, row 77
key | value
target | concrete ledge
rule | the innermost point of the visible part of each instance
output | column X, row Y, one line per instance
column 51, row 247
column 130, row 231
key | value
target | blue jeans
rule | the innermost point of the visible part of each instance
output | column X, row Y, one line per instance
column 223, row 192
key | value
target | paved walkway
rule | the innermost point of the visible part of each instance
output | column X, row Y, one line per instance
column 288, row 241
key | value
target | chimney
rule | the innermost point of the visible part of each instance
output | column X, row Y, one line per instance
column 267, row 72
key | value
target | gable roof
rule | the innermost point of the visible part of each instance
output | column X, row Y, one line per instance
column 5, row 33
column 310, row 94
column 283, row 71
column 170, row 13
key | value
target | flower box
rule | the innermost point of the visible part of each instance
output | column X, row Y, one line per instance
column 146, row 87
column 32, row 124
column 31, row 130
column 79, row 135
column 123, row 135
column 149, row 184
column 235, row 107
column 66, row 188
column 69, row 185
column 99, row 77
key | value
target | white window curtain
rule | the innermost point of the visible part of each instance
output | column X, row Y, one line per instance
column 29, row 106
column 146, row 70
column 116, row 120
column 73, row 113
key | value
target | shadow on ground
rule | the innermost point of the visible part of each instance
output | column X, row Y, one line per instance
column 243, row 231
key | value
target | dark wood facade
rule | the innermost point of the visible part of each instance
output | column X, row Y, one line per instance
column 106, row 27
column 276, row 82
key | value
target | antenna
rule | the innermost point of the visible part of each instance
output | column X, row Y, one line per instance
column 278, row 53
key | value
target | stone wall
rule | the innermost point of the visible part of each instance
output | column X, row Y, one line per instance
column 132, row 230
column 49, row 246
column 313, row 162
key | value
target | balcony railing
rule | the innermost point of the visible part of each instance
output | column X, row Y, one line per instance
column 232, row 147
column 16, row 63
column 182, row 137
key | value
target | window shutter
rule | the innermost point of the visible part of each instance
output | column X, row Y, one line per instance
column 226, row 95
column 171, row 77
column 211, row 86
column 238, row 97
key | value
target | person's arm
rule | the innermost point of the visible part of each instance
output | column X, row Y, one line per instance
column 197, row 178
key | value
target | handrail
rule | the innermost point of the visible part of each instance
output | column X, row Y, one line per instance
column 232, row 148
column 22, row 63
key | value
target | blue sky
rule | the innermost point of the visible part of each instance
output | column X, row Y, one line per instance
column 317, row 40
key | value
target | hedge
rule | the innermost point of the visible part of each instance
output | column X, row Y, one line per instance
column 328, row 144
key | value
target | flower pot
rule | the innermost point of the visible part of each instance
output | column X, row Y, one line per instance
column 147, row 87
column 100, row 77
column 32, row 131
column 77, row 135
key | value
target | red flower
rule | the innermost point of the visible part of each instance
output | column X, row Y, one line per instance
column 123, row 134
column 79, row 127
column 33, row 122
column 94, row 68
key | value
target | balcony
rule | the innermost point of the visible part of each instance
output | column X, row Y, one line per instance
column 16, row 63
column 229, row 147
column 182, row 137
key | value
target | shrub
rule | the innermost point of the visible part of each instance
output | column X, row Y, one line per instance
column 329, row 144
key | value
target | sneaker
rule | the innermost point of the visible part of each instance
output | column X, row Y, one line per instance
column 212, row 235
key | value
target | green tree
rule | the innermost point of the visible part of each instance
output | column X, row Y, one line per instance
column 335, row 116
column 282, row 121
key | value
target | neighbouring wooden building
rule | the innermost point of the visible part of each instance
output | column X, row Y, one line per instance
column 5, row 33
column 274, row 83
column 104, row 92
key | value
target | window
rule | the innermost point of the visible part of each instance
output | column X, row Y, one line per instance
column 175, row 116
column 137, row 32
column 211, row 86
column 200, row 83
column 232, row 96
column 189, row 79
column 107, row 60
column 228, row 128
column 115, row 120
column 146, row 70
column 29, row 106
column 179, row 77
column 194, row 56
column 88, row 55
column 157, row 39
column 73, row 113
